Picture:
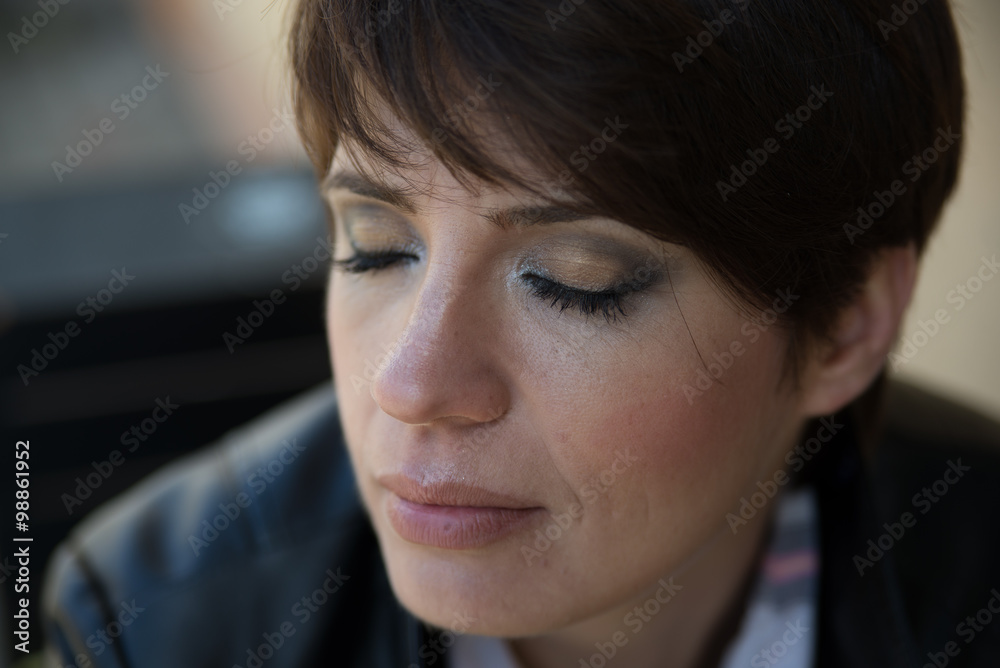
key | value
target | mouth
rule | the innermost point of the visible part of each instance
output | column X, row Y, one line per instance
column 453, row 515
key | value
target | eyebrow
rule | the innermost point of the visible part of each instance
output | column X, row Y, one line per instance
column 505, row 218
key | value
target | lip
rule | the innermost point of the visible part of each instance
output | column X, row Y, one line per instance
column 453, row 515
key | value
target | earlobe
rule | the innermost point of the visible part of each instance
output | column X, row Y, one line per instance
column 855, row 353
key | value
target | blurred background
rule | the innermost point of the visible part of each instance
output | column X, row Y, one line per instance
column 153, row 193
column 195, row 191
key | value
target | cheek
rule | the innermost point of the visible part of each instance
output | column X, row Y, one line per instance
column 654, row 461
column 355, row 356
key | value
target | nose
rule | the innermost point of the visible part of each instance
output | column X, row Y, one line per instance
column 447, row 363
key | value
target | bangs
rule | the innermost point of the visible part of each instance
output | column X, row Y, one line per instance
column 479, row 85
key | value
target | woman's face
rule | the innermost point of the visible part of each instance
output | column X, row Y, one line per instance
column 533, row 431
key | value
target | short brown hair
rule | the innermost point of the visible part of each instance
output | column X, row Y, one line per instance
column 774, row 138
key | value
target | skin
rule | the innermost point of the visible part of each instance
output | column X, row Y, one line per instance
column 446, row 364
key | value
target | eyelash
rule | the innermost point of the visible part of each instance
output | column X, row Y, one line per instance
column 608, row 302
column 361, row 261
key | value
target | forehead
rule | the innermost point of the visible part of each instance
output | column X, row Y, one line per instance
column 480, row 157
column 422, row 178
column 418, row 171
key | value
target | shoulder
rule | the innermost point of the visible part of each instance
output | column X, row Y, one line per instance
column 938, row 475
column 916, row 415
column 939, row 461
column 201, row 564
column 910, row 541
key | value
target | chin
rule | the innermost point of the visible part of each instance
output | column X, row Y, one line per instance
column 486, row 592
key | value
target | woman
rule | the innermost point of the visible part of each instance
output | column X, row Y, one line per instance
column 614, row 289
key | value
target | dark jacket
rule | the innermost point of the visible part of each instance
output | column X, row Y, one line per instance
column 257, row 553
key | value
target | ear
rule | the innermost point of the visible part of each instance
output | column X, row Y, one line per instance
column 844, row 367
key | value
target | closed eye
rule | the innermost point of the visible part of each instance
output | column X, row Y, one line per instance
column 363, row 261
column 608, row 302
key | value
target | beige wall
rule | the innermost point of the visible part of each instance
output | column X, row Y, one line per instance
column 962, row 359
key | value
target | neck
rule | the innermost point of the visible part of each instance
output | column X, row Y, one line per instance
column 689, row 615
